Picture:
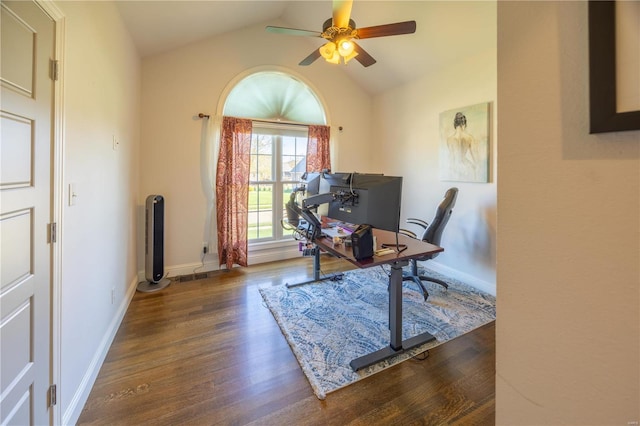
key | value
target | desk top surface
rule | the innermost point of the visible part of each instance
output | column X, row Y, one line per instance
column 415, row 249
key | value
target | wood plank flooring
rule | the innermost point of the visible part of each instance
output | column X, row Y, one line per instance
column 208, row 352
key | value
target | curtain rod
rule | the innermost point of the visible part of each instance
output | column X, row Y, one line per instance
column 288, row 123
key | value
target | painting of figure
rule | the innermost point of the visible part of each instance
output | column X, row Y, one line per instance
column 464, row 144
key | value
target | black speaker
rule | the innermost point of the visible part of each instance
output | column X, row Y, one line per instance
column 154, row 245
column 362, row 242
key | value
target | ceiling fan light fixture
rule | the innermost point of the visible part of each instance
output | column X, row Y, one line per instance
column 345, row 47
column 328, row 50
column 335, row 58
column 350, row 57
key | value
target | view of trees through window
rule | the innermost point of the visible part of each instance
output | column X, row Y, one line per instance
column 277, row 165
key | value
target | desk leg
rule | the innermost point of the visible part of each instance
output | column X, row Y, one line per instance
column 396, row 344
column 316, row 271
column 395, row 305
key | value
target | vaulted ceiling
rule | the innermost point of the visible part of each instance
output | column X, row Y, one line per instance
column 447, row 31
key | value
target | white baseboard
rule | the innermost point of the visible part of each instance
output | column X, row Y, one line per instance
column 265, row 256
column 73, row 411
column 255, row 257
column 185, row 269
column 485, row 286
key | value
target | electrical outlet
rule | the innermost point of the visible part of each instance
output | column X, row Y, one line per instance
column 205, row 247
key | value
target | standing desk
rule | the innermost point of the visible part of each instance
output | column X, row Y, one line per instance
column 415, row 249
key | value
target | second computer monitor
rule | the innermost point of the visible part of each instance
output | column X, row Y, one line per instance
column 311, row 182
column 366, row 199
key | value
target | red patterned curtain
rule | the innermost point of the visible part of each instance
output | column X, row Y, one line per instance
column 318, row 157
column 232, row 191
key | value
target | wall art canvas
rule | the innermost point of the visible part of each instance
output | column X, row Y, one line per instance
column 464, row 144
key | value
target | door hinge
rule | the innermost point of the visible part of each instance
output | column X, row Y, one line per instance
column 53, row 395
column 53, row 232
column 53, row 69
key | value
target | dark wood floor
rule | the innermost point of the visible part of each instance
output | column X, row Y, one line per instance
column 209, row 352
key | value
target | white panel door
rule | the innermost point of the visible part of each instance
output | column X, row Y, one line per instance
column 25, row 212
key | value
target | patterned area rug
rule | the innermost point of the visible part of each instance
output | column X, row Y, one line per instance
column 327, row 324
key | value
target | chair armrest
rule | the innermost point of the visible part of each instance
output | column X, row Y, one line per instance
column 286, row 225
column 419, row 222
column 408, row 233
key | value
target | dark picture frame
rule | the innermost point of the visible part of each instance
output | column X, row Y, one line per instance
column 602, row 72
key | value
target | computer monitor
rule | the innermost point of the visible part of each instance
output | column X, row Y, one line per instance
column 324, row 186
column 311, row 182
column 327, row 180
column 366, row 199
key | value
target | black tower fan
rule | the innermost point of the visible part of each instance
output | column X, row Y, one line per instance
column 154, row 246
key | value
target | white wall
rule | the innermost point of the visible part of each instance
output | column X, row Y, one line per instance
column 406, row 129
column 101, row 80
column 568, row 329
column 182, row 83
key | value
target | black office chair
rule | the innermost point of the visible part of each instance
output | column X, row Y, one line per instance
column 432, row 234
column 311, row 229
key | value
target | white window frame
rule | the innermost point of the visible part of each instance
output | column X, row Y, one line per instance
column 278, row 130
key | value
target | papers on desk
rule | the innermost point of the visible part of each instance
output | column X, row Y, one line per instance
column 384, row 251
column 335, row 231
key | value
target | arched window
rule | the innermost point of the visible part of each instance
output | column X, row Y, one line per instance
column 274, row 96
column 281, row 107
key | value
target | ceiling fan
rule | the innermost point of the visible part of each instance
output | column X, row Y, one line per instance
column 340, row 32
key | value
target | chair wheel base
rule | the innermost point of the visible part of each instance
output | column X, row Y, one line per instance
column 418, row 280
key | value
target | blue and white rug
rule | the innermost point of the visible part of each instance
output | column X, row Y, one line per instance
column 327, row 324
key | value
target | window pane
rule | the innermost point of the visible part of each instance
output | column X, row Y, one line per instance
column 265, row 198
column 252, row 231
column 260, row 211
column 264, row 167
column 301, row 146
column 264, row 144
column 265, row 230
column 294, row 158
column 288, row 145
column 291, row 167
column 301, row 167
column 253, row 198
column 253, row 168
column 261, row 167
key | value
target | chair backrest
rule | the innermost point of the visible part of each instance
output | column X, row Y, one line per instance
column 292, row 208
column 433, row 233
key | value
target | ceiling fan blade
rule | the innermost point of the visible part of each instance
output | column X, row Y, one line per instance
column 341, row 13
column 407, row 27
column 363, row 57
column 311, row 58
column 292, row 31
